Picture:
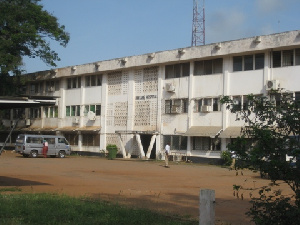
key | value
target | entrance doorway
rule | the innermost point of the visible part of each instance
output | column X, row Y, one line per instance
column 146, row 139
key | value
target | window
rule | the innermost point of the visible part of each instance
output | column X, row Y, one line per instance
column 35, row 113
column 245, row 102
column 72, row 138
column 18, row 113
column 207, row 105
column 207, row 67
column 248, row 62
column 93, row 80
column 176, row 142
column 259, row 61
column 297, row 98
column 206, row 144
column 237, row 103
column 288, row 58
column 297, row 56
column 34, row 88
column 176, row 106
column 276, row 59
column 52, row 86
column 90, row 139
column 201, row 143
column 237, row 63
column 74, row 82
column 94, row 108
column 73, row 110
column 51, row 112
column 177, row 70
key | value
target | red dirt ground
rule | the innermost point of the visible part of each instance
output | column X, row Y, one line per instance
column 146, row 184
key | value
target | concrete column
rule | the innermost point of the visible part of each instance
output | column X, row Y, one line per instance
column 80, row 141
column 150, row 146
column 104, row 97
column 207, row 207
column 122, row 146
column 191, row 107
column 138, row 139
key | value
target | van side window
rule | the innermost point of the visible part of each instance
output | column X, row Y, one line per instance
column 51, row 141
column 34, row 140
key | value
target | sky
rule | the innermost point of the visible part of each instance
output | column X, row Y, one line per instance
column 107, row 29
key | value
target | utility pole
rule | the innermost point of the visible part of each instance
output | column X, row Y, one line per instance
column 198, row 28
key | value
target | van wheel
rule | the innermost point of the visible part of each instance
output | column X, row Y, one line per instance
column 61, row 154
column 33, row 154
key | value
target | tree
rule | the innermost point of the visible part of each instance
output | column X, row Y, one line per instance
column 25, row 30
column 269, row 137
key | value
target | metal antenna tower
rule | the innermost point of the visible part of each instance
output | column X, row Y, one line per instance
column 198, row 29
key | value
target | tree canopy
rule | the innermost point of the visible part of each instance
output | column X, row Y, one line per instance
column 26, row 30
column 270, row 143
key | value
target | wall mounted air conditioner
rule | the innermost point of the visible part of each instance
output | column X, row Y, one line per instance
column 76, row 120
column 170, row 87
column 236, row 102
column 257, row 39
column 272, row 84
column 205, row 108
column 91, row 115
column 218, row 46
column 175, row 109
column 51, row 89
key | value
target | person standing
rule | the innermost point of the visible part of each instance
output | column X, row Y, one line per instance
column 45, row 148
column 167, row 152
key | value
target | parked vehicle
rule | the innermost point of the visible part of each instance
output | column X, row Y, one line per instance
column 32, row 145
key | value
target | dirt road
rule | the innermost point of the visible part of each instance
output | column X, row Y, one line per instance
column 146, row 184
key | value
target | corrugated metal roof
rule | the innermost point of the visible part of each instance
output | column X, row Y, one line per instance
column 203, row 131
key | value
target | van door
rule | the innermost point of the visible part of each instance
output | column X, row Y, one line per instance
column 62, row 144
column 51, row 146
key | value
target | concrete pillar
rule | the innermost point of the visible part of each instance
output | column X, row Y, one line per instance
column 207, row 207
column 138, row 139
column 122, row 146
column 150, row 146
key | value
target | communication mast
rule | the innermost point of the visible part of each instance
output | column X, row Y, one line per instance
column 198, row 28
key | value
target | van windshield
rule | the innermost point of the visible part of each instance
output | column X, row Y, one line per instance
column 63, row 141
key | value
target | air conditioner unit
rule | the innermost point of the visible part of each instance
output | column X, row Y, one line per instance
column 91, row 115
column 257, row 39
column 272, row 84
column 170, row 87
column 218, row 46
column 76, row 120
column 236, row 102
column 51, row 89
column 205, row 108
column 175, row 109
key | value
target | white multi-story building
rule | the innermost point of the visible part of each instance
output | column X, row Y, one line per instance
column 142, row 102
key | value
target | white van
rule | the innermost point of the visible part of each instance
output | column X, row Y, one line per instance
column 32, row 145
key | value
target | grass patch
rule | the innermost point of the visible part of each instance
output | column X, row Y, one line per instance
column 61, row 209
column 10, row 189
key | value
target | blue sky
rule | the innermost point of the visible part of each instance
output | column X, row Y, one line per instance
column 108, row 29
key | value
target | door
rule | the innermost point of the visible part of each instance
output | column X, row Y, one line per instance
column 51, row 146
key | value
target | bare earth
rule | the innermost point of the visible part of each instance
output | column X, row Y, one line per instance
column 138, row 183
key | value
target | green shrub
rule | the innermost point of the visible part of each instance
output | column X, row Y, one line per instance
column 226, row 158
